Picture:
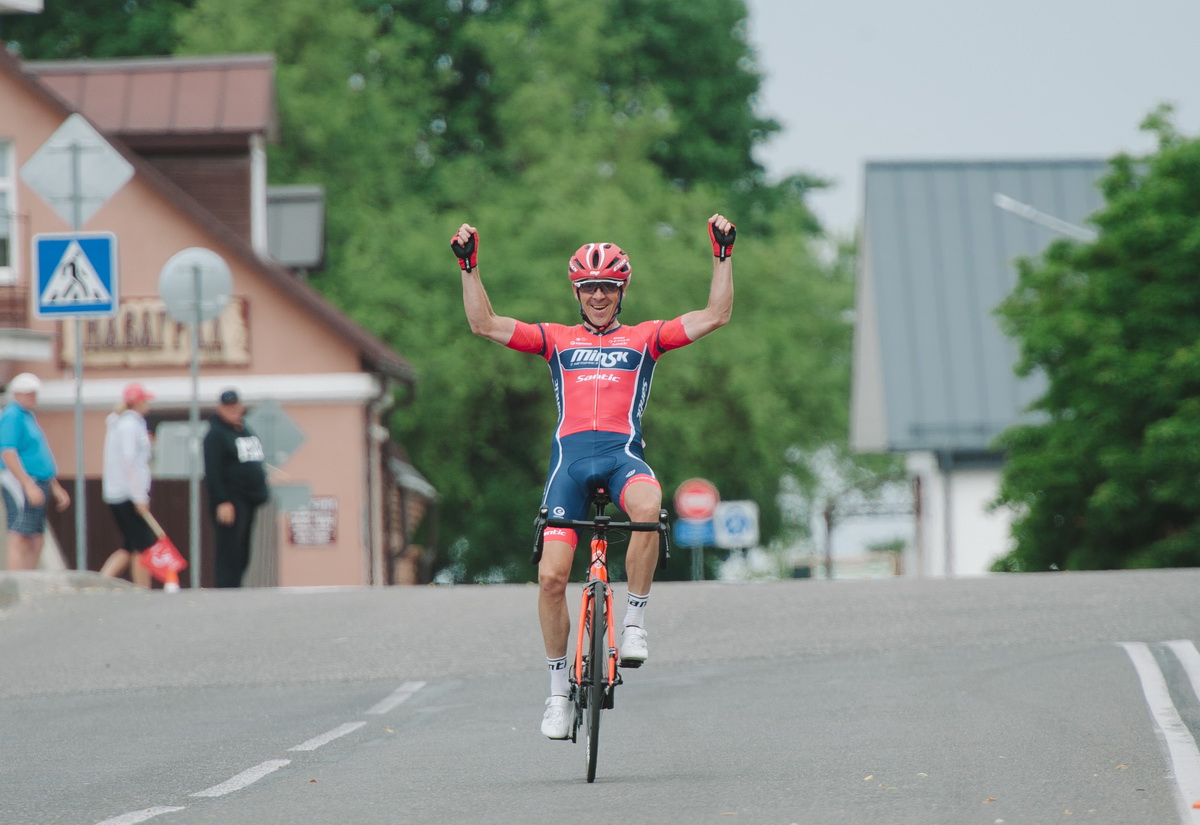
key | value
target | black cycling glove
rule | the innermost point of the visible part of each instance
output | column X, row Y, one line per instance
column 468, row 253
column 722, row 241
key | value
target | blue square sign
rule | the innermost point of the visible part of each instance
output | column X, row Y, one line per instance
column 75, row 275
column 689, row 533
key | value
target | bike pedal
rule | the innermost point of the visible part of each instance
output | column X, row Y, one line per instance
column 632, row 664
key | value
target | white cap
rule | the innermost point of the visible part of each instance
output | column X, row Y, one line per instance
column 25, row 382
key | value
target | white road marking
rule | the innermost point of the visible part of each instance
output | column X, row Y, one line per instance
column 246, row 777
column 399, row 696
column 1181, row 745
column 1185, row 651
column 138, row 816
column 329, row 736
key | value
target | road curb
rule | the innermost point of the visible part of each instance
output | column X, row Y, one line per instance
column 25, row 584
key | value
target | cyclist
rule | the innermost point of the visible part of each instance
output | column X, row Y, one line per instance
column 601, row 370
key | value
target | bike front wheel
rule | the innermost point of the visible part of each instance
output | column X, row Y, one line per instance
column 597, row 667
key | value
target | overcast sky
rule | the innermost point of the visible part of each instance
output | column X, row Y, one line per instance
column 859, row 80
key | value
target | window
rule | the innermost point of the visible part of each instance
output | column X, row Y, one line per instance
column 8, row 223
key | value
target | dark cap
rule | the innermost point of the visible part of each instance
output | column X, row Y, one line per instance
column 229, row 397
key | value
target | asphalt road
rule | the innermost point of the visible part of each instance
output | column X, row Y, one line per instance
column 999, row 700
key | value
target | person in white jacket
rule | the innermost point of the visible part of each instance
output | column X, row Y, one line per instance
column 126, row 481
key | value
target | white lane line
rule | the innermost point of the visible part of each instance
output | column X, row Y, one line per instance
column 246, row 777
column 138, row 816
column 329, row 736
column 1185, row 651
column 399, row 696
column 1181, row 745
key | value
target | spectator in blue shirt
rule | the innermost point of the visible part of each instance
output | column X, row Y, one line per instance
column 29, row 475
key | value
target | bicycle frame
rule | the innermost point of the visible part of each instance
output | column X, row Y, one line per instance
column 597, row 580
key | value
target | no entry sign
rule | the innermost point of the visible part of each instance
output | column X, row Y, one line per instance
column 696, row 499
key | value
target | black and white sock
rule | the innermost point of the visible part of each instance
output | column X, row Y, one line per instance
column 559, row 684
column 635, row 610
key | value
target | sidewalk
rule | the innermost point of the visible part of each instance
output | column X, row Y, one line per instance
column 24, row 584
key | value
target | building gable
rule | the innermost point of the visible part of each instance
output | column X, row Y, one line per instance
column 932, row 368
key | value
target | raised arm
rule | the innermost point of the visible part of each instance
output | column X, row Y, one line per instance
column 701, row 322
column 483, row 319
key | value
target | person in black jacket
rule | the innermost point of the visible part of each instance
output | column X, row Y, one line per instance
column 235, row 474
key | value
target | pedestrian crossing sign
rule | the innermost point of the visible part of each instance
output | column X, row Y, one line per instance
column 75, row 275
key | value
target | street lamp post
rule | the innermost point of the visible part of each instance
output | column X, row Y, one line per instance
column 1029, row 213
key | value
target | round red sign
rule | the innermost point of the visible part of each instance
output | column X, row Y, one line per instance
column 696, row 499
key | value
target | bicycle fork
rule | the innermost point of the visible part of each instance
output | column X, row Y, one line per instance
column 598, row 580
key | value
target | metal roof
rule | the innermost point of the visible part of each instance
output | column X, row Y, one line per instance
column 168, row 97
column 932, row 368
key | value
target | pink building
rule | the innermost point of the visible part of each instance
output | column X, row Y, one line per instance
column 194, row 130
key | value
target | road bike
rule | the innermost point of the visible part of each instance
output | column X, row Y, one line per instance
column 594, row 675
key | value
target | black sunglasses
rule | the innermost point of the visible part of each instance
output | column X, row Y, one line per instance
column 606, row 287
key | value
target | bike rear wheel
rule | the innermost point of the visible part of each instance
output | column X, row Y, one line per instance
column 597, row 671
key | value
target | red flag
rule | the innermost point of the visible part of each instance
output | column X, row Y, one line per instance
column 163, row 560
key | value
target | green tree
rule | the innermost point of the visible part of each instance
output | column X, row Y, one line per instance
column 94, row 28
column 1109, row 479
column 697, row 54
column 726, row 408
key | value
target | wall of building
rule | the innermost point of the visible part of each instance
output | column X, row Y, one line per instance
column 220, row 182
column 974, row 538
column 335, row 469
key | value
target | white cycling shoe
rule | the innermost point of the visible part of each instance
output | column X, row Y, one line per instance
column 556, row 721
column 633, row 647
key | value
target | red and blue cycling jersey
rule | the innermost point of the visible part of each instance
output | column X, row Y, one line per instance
column 601, row 381
column 601, row 384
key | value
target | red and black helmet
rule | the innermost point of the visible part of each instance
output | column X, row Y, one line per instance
column 599, row 262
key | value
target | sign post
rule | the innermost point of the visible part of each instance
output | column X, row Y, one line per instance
column 93, row 173
column 195, row 284
column 75, row 278
column 695, row 502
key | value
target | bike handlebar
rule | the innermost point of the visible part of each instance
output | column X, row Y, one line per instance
column 603, row 524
